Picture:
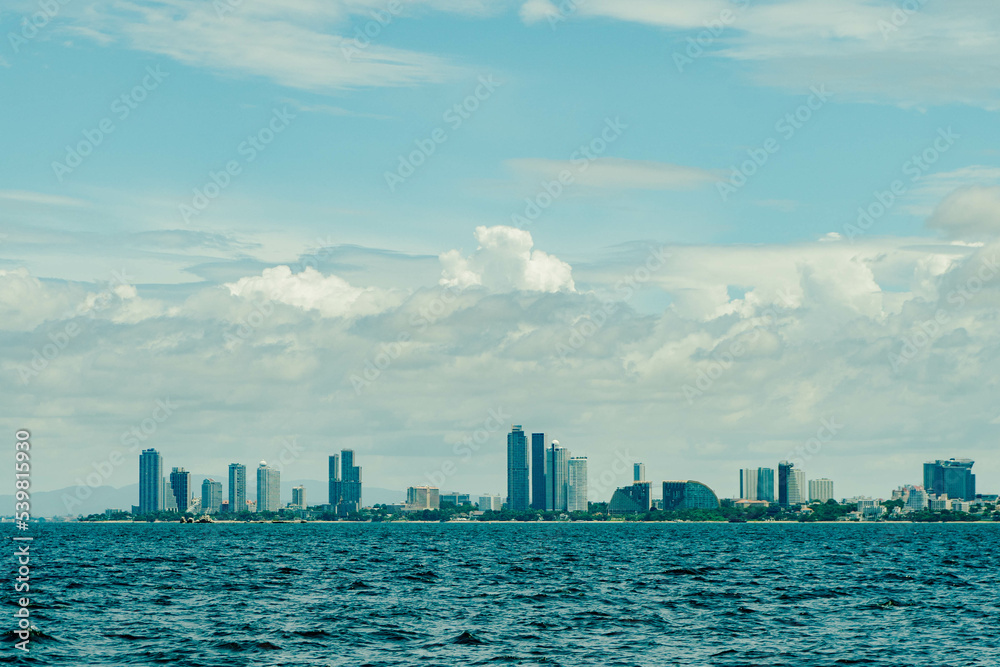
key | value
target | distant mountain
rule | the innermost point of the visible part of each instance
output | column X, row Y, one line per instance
column 69, row 501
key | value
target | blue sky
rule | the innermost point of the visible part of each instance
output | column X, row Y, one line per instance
column 898, row 80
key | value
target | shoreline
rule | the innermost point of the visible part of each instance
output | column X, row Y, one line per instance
column 525, row 523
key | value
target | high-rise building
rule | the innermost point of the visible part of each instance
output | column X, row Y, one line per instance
column 784, row 478
column 237, row 487
column 538, row 471
column 765, row 484
column 150, row 482
column 518, row 490
column 489, row 502
column 797, row 487
column 169, row 498
column 953, row 478
column 423, row 498
column 688, row 495
column 350, row 481
column 633, row 499
column 557, row 477
column 180, row 482
column 299, row 497
column 334, row 479
column 211, row 496
column 268, row 488
column 820, row 490
column 576, row 485
column 638, row 472
column 749, row 478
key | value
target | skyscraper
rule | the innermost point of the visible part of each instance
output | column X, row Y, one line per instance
column 638, row 472
column 518, row 491
column 953, row 478
column 180, row 482
column 333, row 473
column 537, row 471
column 749, row 478
column 423, row 498
column 268, row 488
column 820, row 490
column 576, row 485
column 150, row 482
column 350, row 479
column 557, row 477
column 797, row 487
column 784, row 477
column 237, row 487
column 765, row 484
column 299, row 497
column 211, row 496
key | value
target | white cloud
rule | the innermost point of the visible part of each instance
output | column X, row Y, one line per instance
column 618, row 173
column 969, row 213
column 41, row 198
column 331, row 295
column 505, row 261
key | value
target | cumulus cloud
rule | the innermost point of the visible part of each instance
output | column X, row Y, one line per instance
column 331, row 295
column 969, row 213
column 505, row 262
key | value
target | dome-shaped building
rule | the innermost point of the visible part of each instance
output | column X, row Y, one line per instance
column 688, row 495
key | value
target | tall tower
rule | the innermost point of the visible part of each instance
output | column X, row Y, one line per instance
column 333, row 475
column 765, row 484
column 537, row 471
column 237, row 487
column 211, row 496
column 638, row 472
column 748, row 483
column 576, row 485
column 268, row 488
column 518, row 490
column 784, row 478
column 150, row 482
column 557, row 478
column 180, row 482
column 350, row 479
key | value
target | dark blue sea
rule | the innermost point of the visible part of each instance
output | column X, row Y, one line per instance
column 502, row 594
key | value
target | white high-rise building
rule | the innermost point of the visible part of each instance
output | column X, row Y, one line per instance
column 820, row 490
column 797, row 487
column 268, row 488
column 490, row 502
column 576, row 485
column 748, row 483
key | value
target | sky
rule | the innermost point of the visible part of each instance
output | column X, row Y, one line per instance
column 699, row 234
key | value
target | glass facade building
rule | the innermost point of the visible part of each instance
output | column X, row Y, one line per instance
column 784, row 477
column 633, row 499
column 765, row 484
column 953, row 478
column 237, row 487
column 211, row 496
column 688, row 495
column 518, row 489
column 557, row 478
column 538, row 471
column 151, row 487
column 180, row 482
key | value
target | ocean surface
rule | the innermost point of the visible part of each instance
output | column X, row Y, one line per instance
column 501, row 594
